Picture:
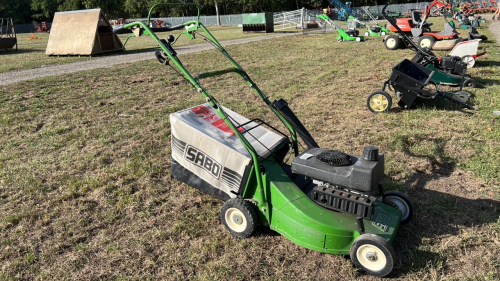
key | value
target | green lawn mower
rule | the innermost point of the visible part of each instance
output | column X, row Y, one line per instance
column 344, row 35
column 324, row 200
column 377, row 30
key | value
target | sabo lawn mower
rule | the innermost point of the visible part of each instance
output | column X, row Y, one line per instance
column 325, row 200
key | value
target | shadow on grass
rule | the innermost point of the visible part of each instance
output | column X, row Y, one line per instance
column 443, row 212
column 19, row 51
column 439, row 103
column 480, row 63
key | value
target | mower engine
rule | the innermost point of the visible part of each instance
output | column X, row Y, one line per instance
column 343, row 182
column 449, row 64
column 453, row 65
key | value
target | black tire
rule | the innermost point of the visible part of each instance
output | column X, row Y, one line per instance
column 340, row 39
column 373, row 254
column 426, row 41
column 379, row 101
column 392, row 42
column 238, row 217
column 469, row 83
column 400, row 201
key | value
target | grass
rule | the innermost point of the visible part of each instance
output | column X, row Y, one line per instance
column 85, row 189
column 31, row 53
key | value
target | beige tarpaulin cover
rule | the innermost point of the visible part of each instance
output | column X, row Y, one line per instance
column 84, row 32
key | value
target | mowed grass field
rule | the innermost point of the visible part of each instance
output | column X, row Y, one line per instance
column 86, row 193
column 31, row 52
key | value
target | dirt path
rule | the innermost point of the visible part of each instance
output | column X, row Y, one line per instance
column 27, row 74
column 494, row 28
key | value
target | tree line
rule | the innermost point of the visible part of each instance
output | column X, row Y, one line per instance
column 24, row 11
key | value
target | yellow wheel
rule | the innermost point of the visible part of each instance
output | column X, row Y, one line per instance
column 379, row 102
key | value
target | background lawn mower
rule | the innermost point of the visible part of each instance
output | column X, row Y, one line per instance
column 409, row 80
column 448, row 70
column 344, row 35
column 378, row 30
column 419, row 31
column 324, row 200
column 370, row 30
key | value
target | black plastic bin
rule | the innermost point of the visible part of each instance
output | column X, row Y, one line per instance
column 411, row 74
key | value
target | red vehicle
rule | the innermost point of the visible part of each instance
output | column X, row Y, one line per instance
column 420, row 32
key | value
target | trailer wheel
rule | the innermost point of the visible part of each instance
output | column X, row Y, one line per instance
column 469, row 60
column 426, row 41
column 400, row 201
column 379, row 102
column 238, row 217
column 392, row 42
column 373, row 254
column 469, row 83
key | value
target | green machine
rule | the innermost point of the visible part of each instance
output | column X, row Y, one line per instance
column 344, row 35
column 258, row 22
column 324, row 200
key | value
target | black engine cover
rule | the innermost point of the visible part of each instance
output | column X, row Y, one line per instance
column 453, row 64
column 360, row 174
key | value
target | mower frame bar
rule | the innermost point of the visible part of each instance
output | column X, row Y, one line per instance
column 190, row 28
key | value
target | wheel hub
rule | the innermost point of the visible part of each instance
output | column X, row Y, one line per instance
column 371, row 256
column 237, row 219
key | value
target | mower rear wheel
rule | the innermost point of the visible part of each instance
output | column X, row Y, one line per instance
column 373, row 254
column 400, row 201
column 340, row 39
column 383, row 33
column 469, row 60
column 358, row 39
column 379, row 102
column 392, row 42
column 426, row 41
column 469, row 83
column 367, row 34
column 238, row 217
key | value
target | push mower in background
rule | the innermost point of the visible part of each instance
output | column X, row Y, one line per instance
column 324, row 200
column 370, row 30
column 344, row 35
column 378, row 30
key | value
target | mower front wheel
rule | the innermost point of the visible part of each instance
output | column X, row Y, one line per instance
column 238, row 217
column 400, row 201
column 379, row 102
column 392, row 42
column 373, row 254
